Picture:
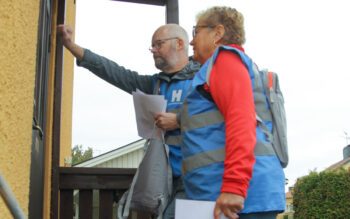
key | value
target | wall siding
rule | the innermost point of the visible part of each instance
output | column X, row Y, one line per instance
column 129, row 160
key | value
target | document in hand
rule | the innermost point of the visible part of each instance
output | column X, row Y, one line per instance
column 189, row 209
column 146, row 106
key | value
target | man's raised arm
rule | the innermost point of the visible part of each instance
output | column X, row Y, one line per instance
column 66, row 34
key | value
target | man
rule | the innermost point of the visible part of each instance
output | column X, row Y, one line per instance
column 170, row 53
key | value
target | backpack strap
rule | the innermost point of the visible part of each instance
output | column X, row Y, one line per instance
column 156, row 89
column 275, row 103
column 124, row 203
column 164, row 200
column 267, row 82
column 264, row 128
column 269, row 76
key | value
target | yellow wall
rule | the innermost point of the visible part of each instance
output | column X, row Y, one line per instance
column 18, row 41
column 18, row 38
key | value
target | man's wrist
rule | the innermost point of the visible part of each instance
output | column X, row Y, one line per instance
column 178, row 119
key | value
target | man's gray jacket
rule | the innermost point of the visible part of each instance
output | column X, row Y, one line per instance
column 173, row 87
column 129, row 80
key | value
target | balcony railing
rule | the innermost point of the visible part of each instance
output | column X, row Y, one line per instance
column 111, row 183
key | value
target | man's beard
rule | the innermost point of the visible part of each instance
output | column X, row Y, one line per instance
column 160, row 63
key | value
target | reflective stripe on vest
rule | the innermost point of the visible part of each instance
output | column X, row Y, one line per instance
column 210, row 157
column 199, row 120
column 202, row 159
column 173, row 140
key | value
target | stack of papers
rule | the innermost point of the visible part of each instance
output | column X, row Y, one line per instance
column 190, row 209
column 146, row 107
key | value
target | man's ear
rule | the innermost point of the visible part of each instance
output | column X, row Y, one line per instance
column 180, row 44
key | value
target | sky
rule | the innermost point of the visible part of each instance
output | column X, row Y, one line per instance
column 305, row 42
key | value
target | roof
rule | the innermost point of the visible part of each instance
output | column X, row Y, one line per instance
column 149, row 2
column 339, row 164
column 92, row 162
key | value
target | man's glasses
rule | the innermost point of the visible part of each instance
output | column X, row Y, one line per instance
column 158, row 43
column 195, row 29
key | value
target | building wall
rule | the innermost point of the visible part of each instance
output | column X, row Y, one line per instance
column 18, row 38
column 129, row 160
column 18, row 45
column 289, row 212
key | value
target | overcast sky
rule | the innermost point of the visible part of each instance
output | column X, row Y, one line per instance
column 305, row 42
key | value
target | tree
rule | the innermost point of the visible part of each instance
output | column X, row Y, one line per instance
column 322, row 195
column 79, row 155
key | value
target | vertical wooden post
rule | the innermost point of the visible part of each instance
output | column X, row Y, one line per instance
column 172, row 11
column 57, row 117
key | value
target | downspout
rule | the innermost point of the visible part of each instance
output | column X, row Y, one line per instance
column 10, row 200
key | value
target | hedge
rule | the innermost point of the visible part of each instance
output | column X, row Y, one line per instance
column 322, row 195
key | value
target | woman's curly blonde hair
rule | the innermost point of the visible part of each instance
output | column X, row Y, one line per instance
column 230, row 18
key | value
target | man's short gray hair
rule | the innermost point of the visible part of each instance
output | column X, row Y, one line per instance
column 176, row 30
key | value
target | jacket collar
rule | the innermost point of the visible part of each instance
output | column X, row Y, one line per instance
column 186, row 73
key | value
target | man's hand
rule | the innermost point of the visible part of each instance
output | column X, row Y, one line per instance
column 229, row 204
column 66, row 34
column 166, row 121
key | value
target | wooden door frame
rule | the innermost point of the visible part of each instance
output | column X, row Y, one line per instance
column 56, row 128
column 172, row 16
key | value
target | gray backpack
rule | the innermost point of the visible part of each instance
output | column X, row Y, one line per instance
column 266, row 82
column 275, row 102
column 152, row 184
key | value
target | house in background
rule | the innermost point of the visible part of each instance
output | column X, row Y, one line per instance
column 128, row 156
column 289, row 212
column 343, row 164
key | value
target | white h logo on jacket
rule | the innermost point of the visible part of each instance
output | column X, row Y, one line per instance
column 176, row 96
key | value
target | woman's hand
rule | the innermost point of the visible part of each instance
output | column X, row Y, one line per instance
column 229, row 204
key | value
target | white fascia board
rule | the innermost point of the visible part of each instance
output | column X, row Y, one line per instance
column 112, row 154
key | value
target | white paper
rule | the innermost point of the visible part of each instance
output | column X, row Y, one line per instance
column 190, row 209
column 146, row 106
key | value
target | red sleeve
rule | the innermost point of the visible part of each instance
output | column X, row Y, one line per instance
column 231, row 89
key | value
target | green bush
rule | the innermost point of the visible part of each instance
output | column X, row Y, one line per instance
column 322, row 195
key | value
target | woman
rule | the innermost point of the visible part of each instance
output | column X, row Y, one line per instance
column 226, row 158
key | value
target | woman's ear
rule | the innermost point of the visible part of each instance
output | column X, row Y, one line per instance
column 219, row 32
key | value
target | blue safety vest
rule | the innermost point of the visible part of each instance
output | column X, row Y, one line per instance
column 203, row 132
column 175, row 93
